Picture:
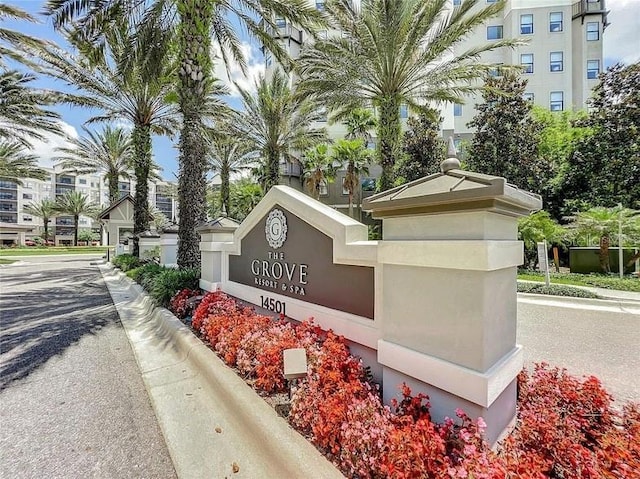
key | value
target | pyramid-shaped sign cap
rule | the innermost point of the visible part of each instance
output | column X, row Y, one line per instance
column 220, row 224
column 453, row 190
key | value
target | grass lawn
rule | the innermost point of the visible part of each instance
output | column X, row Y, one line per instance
column 596, row 280
column 37, row 251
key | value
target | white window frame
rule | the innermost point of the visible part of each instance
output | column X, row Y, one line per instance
column 556, row 61
column 527, row 25
column 527, row 64
column 556, row 22
column 591, row 70
column 590, row 32
column 557, row 102
column 499, row 28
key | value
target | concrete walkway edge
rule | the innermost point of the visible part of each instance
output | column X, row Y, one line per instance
column 214, row 424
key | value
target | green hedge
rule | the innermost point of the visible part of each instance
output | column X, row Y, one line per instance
column 555, row 290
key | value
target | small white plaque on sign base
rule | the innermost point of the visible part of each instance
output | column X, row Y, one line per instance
column 295, row 363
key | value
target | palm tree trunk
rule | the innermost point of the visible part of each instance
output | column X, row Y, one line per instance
column 141, row 138
column 351, row 187
column 76, row 221
column 604, row 254
column 272, row 172
column 112, row 182
column 46, row 229
column 389, row 130
column 224, row 190
column 195, row 69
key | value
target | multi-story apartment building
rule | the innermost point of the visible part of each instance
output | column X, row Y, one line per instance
column 561, row 62
column 16, row 225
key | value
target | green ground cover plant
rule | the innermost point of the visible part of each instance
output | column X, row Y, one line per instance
column 594, row 280
column 555, row 290
column 126, row 262
column 52, row 250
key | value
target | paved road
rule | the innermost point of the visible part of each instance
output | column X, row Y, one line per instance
column 72, row 403
column 601, row 342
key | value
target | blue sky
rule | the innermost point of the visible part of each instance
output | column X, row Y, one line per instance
column 621, row 44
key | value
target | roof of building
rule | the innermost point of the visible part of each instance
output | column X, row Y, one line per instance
column 112, row 207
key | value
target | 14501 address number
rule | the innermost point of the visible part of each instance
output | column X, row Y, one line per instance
column 273, row 305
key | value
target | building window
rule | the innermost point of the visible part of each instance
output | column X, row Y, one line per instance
column 593, row 31
column 526, row 24
column 457, row 2
column 28, row 184
column 27, row 196
column 82, row 181
column 556, row 63
column 555, row 22
column 345, row 189
column 492, row 1
column 404, row 111
column 320, row 5
column 368, row 184
column 281, row 22
column 556, row 101
column 371, row 145
column 27, row 218
column 457, row 109
column 593, row 69
column 494, row 71
column 267, row 60
column 526, row 60
column 528, row 96
column 494, row 32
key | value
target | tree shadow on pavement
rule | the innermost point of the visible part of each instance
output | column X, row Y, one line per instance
column 39, row 323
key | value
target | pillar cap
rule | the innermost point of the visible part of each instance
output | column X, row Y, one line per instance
column 453, row 190
column 222, row 224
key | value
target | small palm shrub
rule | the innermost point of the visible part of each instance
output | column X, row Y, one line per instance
column 169, row 281
column 126, row 262
column 146, row 274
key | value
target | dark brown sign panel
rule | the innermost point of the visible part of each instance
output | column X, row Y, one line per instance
column 285, row 255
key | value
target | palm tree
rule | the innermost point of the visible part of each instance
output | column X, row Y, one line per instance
column 317, row 166
column 394, row 53
column 355, row 158
column 359, row 123
column 15, row 164
column 199, row 22
column 275, row 122
column 74, row 203
column 228, row 154
column 130, row 82
column 605, row 223
column 12, row 43
column 107, row 151
column 44, row 209
column 23, row 115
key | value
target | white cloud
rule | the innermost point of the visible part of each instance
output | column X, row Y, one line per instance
column 45, row 150
column 622, row 37
column 255, row 68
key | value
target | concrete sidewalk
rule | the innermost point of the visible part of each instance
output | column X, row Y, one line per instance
column 214, row 424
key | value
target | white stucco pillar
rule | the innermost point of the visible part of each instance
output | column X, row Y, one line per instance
column 449, row 256
column 215, row 237
column 169, row 246
column 147, row 242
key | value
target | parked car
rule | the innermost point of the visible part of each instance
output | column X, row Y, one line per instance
column 30, row 243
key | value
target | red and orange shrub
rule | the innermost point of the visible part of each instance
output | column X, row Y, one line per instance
column 566, row 427
column 179, row 304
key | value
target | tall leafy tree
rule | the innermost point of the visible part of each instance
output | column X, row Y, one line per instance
column 605, row 170
column 318, row 168
column 506, row 137
column 198, row 22
column 74, row 203
column 354, row 157
column 44, row 209
column 228, row 155
column 16, row 164
column 605, row 223
column 275, row 123
column 108, row 151
column 557, row 143
column 394, row 53
column 422, row 147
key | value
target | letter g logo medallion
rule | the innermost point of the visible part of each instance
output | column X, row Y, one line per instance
column 276, row 228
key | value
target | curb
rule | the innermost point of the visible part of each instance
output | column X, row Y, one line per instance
column 627, row 306
column 231, row 424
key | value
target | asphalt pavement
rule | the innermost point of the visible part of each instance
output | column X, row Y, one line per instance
column 72, row 401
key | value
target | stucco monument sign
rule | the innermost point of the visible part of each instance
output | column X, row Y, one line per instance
column 285, row 255
column 432, row 304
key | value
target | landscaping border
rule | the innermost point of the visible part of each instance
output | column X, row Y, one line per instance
column 213, row 422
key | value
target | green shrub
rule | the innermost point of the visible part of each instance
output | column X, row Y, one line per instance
column 170, row 281
column 146, row 274
column 555, row 289
column 596, row 280
column 126, row 262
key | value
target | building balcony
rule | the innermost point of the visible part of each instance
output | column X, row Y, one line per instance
column 8, row 196
column 584, row 8
column 283, row 31
column 8, row 185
